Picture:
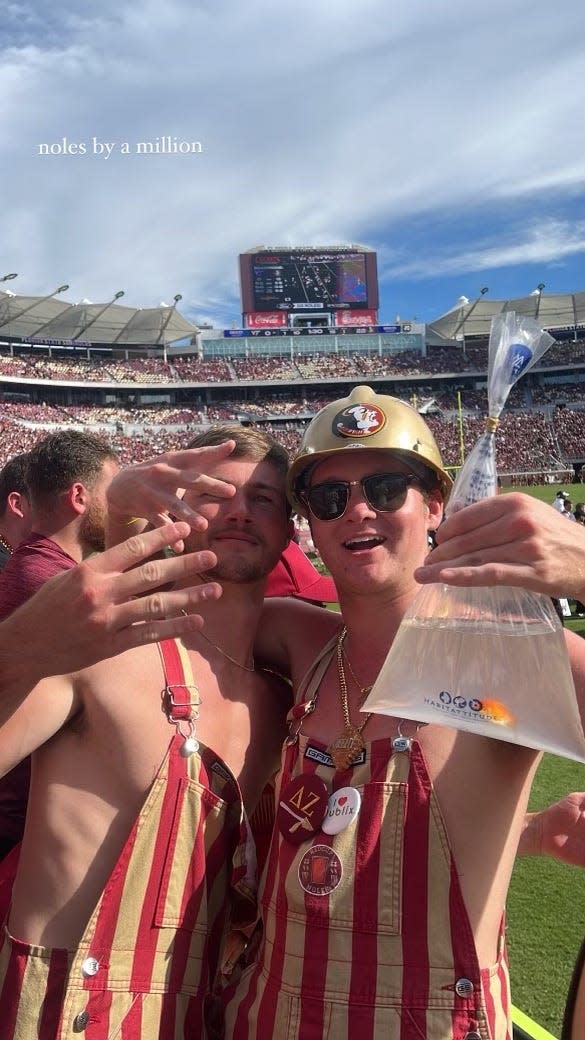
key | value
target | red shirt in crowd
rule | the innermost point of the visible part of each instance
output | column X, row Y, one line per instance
column 34, row 561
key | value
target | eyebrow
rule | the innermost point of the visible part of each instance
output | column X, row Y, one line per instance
column 260, row 485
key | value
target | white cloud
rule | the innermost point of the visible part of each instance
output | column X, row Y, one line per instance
column 319, row 123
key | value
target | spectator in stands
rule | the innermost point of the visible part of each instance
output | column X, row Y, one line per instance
column 15, row 523
column 568, row 510
column 559, row 501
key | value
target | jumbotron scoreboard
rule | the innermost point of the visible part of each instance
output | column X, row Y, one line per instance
column 308, row 282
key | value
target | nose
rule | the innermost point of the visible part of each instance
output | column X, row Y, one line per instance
column 358, row 505
column 237, row 509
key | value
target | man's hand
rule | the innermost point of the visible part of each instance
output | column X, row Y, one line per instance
column 558, row 831
column 509, row 539
column 103, row 607
column 152, row 492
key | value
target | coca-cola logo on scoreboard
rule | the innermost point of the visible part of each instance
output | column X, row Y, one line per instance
column 267, row 320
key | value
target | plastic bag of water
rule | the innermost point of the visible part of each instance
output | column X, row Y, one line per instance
column 491, row 661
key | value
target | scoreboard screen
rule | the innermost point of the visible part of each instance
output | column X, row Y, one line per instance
column 298, row 280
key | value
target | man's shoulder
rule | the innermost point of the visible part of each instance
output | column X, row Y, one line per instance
column 41, row 546
column 32, row 563
column 120, row 677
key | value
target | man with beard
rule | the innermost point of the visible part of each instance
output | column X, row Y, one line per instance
column 136, row 852
column 66, row 475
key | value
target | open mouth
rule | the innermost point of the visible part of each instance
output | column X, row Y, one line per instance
column 363, row 542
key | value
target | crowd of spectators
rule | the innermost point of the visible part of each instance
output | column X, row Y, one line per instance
column 439, row 361
column 539, row 427
column 525, row 441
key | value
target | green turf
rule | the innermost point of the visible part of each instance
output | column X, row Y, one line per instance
column 546, row 911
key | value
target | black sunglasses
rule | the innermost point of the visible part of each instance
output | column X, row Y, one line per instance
column 382, row 491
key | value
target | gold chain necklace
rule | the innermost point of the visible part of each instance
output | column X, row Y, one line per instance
column 364, row 690
column 6, row 545
column 224, row 653
column 348, row 744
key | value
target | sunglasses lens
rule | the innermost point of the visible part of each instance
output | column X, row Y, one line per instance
column 385, row 491
column 328, row 501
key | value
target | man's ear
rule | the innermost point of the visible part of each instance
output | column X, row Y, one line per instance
column 16, row 503
column 435, row 508
column 78, row 497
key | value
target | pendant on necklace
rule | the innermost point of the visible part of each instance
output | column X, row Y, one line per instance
column 346, row 747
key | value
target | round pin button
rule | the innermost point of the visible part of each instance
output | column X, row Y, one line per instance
column 342, row 809
column 463, row 988
column 302, row 806
column 90, row 967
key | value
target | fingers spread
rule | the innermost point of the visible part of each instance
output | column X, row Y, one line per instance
column 131, row 552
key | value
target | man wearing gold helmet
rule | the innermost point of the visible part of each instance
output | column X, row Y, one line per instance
column 383, row 895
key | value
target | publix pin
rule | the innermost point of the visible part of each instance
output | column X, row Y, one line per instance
column 342, row 809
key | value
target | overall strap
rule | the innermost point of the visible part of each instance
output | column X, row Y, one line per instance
column 180, row 698
column 308, row 690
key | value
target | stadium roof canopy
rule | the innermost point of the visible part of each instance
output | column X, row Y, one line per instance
column 473, row 317
column 43, row 318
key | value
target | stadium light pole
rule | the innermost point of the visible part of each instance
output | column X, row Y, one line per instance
column 176, row 300
column 539, row 289
column 31, row 306
column 110, row 303
column 467, row 316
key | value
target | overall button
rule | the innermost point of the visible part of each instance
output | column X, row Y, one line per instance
column 90, row 967
column 401, row 743
column 80, row 1021
column 463, row 988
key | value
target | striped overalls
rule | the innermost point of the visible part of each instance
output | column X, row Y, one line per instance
column 366, row 935
column 145, row 965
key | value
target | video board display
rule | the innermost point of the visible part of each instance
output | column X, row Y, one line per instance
column 308, row 280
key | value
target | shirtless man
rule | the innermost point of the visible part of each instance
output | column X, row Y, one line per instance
column 136, row 849
column 391, row 926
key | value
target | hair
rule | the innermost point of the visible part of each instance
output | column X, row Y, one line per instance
column 62, row 458
column 251, row 443
column 13, row 478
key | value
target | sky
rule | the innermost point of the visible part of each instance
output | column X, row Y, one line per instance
column 449, row 138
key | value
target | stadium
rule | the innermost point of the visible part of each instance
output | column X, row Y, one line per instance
column 309, row 331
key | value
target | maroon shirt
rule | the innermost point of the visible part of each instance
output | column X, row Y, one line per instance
column 34, row 561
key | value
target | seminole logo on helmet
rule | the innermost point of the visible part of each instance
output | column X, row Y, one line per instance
column 361, row 420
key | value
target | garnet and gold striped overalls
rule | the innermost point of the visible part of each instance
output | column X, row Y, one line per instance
column 381, row 945
column 146, row 963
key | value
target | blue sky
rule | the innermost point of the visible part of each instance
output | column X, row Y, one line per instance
column 447, row 137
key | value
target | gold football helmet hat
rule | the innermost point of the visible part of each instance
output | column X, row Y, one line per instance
column 369, row 420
